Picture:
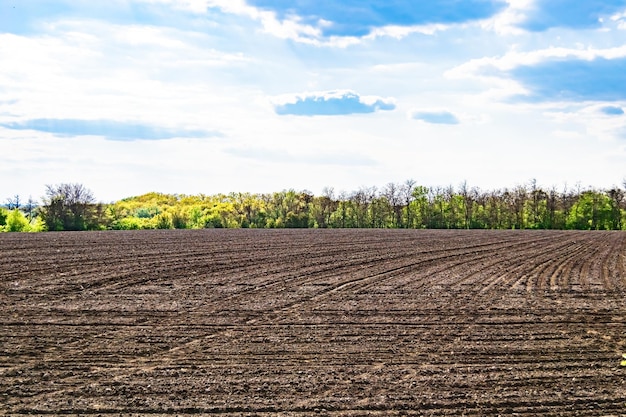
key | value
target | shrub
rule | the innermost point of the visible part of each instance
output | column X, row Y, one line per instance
column 37, row 225
column 16, row 222
column 163, row 221
column 127, row 223
column 3, row 216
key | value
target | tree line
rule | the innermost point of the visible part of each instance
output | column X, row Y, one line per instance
column 396, row 205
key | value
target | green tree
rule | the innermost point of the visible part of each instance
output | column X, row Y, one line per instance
column 381, row 212
column 339, row 218
column 196, row 217
column 297, row 220
column 3, row 216
column 361, row 201
column 520, row 196
column 420, row 207
column 592, row 211
column 16, row 222
column 537, row 207
column 553, row 214
column 322, row 208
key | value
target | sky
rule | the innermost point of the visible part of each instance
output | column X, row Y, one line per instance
column 216, row 96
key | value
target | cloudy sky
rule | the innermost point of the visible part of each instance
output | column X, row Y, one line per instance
column 208, row 96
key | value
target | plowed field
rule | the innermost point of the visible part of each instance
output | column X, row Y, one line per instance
column 313, row 322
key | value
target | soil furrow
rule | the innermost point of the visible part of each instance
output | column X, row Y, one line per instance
column 313, row 322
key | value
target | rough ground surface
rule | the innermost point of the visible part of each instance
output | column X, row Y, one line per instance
column 314, row 322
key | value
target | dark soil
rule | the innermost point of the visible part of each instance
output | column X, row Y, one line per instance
column 313, row 322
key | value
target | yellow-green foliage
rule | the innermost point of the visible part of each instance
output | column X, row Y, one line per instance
column 134, row 223
column 396, row 206
column 37, row 225
column 155, row 210
column 3, row 218
column 17, row 222
column 163, row 221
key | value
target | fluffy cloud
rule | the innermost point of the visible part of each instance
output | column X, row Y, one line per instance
column 141, row 69
column 347, row 22
column 553, row 74
column 29, row 16
column 575, row 14
column 435, row 117
column 112, row 130
column 358, row 17
column 331, row 104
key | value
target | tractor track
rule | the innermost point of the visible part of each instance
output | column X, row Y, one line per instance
column 313, row 322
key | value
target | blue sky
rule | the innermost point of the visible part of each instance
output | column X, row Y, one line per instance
column 208, row 96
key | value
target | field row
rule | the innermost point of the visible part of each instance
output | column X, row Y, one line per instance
column 341, row 322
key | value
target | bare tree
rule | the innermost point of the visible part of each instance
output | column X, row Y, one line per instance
column 393, row 195
column 519, row 202
column 552, row 200
column 343, row 208
column 469, row 196
column 14, row 203
column 437, row 199
column 537, row 205
column 407, row 193
column 362, row 200
column 326, row 205
column 69, row 207
column 617, row 197
column 30, row 207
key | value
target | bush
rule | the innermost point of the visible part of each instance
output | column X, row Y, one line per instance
column 163, row 221
column 213, row 221
column 16, row 222
column 127, row 223
column 37, row 225
column 180, row 220
column 3, row 216
column 132, row 223
column 147, row 212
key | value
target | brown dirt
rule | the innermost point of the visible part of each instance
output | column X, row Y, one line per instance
column 313, row 322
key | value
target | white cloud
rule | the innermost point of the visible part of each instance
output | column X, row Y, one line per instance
column 592, row 120
column 399, row 32
column 491, row 71
column 293, row 28
column 337, row 102
column 513, row 59
column 290, row 28
column 507, row 22
column 196, row 6
column 93, row 70
column 221, row 65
